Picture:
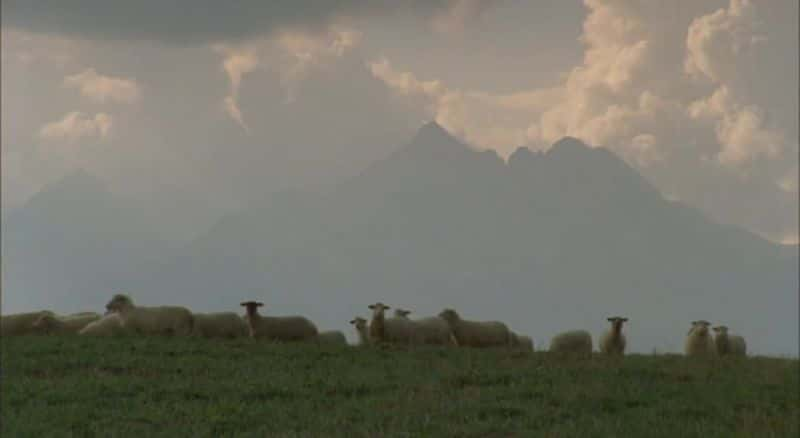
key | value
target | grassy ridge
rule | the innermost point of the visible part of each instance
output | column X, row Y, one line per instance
column 193, row 387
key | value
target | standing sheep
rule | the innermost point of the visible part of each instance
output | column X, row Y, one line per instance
column 220, row 325
column 108, row 325
column 277, row 328
column 362, row 330
column 389, row 330
column 698, row 340
column 67, row 325
column 20, row 323
column 163, row 320
column 572, row 342
column 477, row 333
column 613, row 341
column 727, row 344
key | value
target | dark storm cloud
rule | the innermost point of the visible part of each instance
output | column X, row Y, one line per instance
column 194, row 21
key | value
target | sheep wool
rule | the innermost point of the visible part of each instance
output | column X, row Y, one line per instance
column 220, row 325
column 277, row 328
column 478, row 334
column 698, row 340
column 572, row 342
column 162, row 320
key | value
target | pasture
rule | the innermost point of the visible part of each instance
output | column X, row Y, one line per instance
column 172, row 387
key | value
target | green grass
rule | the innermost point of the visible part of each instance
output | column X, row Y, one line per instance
column 190, row 387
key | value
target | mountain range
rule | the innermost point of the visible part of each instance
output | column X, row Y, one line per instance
column 545, row 241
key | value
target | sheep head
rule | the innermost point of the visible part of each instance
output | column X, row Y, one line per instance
column 700, row 327
column 401, row 313
column 251, row 306
column 119, row 303
column 721, row 330
column 449, row 315
column 617, row 322
column 359, row 323
column 378, row 309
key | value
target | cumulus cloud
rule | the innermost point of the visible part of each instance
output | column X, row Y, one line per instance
column 101, row 89
column 76, row 125
column 676, row 88
column 219, row 21
column 292, row 54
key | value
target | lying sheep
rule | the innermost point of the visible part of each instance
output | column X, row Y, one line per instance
column 388, row 330
column 66, row 325
column 162, row 320
column 613, row 341
column 698, row 340
column 572, row 342
column 476, row 333
column 521, row 342
column 277, row 328
column 109, row 325
column 727, row 344
column 20, row 323
column 362, row 330
column 331, row 337
column 220, row 325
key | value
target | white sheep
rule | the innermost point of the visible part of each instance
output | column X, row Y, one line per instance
column 362, row 330
column 572, row 342
column 522, row 342
column 219, row 325
column 331, row 337
column 162, row 320
column 727, row 344
column 388, row 330
column 698, row 340
column 63, row 325
column 109, row 325
column 477, row 333
column 20, row 323
column 613, row 340
column 429, row 331
column 277, row 328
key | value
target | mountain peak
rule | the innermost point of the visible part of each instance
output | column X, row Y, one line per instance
column 434, row 141
column 569, row 145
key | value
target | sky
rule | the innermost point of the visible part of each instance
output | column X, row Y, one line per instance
column 200, row 107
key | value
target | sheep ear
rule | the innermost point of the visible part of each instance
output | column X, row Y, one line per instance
column 386, row 307
column 259, row 304
column 610, row 319
column 371, row 307
column 624, row 319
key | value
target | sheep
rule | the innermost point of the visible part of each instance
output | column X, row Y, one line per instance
column 613, row 341
column 360, row 325
column 401, row 313
column 572, row 342
column 727, row 344
column 20, row 323
column 277, row 328
column 698, row 340
column 331, row 337
column 391, row 330
column 522, row 342
column 476, row 333
column 219, row 325
column 109, row 325
column 67, row 325
column 163, row 320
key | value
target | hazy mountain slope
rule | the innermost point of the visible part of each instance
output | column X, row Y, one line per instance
column 71, row 244
column 549, row 241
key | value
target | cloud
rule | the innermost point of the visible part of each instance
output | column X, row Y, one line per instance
column 208, row 21
column 292, row 54
column 77, row 125
column 693, row 94
column 460, row 14
column 101, row 89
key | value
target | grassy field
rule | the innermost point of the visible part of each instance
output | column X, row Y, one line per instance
column 190, row 387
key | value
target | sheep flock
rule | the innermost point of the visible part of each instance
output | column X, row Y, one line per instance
column 123, row 317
